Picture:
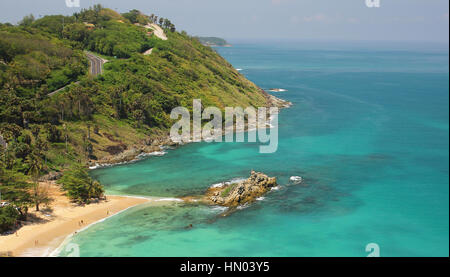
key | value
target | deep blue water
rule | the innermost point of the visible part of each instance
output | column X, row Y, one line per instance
column 369, row 132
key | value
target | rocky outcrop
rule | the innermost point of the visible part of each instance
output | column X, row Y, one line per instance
column 127, row 154
column 52, row 176
column 273, row 101
column 122, row 153
column 237, row 194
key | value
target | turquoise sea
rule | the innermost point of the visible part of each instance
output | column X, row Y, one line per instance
column 368, row 131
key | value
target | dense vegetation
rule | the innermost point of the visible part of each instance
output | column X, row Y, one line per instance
column 33, row 63
column 8, row 218
column 79, row 185
column 126, row 105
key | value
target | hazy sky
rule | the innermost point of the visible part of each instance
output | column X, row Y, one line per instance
column 417, row 20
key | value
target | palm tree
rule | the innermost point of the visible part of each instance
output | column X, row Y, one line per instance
column 66, row 136
column 34, row 166
column 40, row 194
column 89, row 130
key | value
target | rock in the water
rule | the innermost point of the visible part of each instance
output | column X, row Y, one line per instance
column 236, row 194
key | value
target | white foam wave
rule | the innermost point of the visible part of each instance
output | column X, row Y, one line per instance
column 138, row 158
column 219, row 209
column 227, row 183
column 241, row 207
column 219, row 185
column 168, row 199
column 97, row 165
column 157, row 153
column 235, row 181
column 278, row 90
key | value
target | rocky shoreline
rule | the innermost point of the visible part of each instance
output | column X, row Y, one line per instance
column 156, row 146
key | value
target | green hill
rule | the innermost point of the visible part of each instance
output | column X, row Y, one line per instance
column 128, row 104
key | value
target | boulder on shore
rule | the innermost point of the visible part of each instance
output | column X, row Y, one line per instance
column 247, row 191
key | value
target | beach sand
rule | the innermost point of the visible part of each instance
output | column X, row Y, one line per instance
column 47, row 229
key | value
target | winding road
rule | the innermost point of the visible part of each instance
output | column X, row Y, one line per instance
column 95, row 68
column 96, row 62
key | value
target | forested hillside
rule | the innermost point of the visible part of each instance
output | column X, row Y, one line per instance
column 95, row 117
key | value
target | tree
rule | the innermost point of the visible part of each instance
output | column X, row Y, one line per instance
column 40, row 193
column 15, row 189
column 8, row 218
column 76, row 31
column 96, row 129
column 53, row 133
column 89, row 149
column 40, row 147
column 132, row 16
column 88, row 125
column 167, row 23
column 97, row 8
column 20, row 149
column 35, row 131
column 27, row 20
column 66, row 137
column 79, row 185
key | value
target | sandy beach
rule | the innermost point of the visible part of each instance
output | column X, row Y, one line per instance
column 47, row 229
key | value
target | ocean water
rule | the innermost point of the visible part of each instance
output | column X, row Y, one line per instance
column 368, row 132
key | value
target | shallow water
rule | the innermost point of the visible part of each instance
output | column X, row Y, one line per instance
column 369, row 134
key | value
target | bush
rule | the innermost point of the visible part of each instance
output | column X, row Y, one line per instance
column 53, row 133
column 8, row 218
column 120, row 40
